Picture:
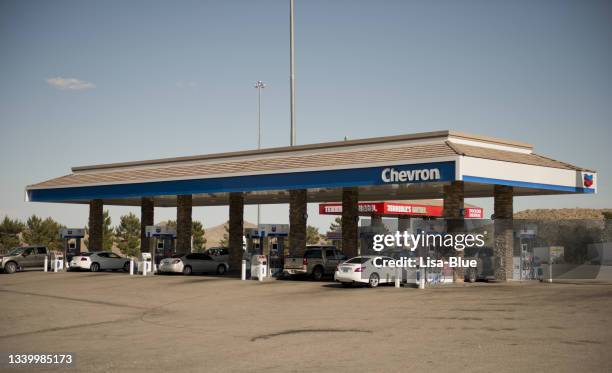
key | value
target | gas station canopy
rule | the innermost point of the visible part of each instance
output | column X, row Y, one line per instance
column 414, row 166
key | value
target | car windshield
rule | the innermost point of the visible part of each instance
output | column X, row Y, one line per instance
column 357, row 260
column 177, row 256
column 85, row 254
column 16, row 251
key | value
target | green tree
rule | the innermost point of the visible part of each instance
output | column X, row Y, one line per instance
column 336, row 225
column 108, row 234
column 199, row 241
column 607, row 231
column 43, row 232
column 225, row 240
column 9, row 233
column 197, row 232
column 312, row 235
column 128, row 235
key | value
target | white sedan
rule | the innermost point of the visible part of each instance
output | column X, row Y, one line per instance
column 361, row 269
column 99, row 261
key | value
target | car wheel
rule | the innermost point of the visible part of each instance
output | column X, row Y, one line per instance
column 374, row 280
column 221, row 269
column 317, row 273
column 187, row 270
column 10, row 267
column 95, row 267
column 126, row 267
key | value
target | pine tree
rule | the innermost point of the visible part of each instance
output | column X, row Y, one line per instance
column 108, row 234
column 128, row 235
column 43, row 232
column 9, row 233
column 199, row 241
column 225, row 240
column 312, row 235
column 336, row 225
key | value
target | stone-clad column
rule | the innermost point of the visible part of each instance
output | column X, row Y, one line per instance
column 147, row 208
column 375, row 220
column 297, row 221
column 184, row 205
column 350, row 216
column 452, row 212
column 236, row 229
column 403, row 223
column 504, row 240
column 453, row 200
column 96, row 222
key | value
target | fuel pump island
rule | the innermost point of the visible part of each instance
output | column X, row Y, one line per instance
column 265, row 250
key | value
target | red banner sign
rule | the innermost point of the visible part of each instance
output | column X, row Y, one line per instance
column 394, row 209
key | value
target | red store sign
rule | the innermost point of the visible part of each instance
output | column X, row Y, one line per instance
column 394, row 208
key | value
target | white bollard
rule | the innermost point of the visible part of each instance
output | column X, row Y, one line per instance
column 422, row 278
column 243, row 270
column 549, row 273
column 398, row 275
column 262, row 270
column 131, row 267
column 46, row 264
column 55, row 265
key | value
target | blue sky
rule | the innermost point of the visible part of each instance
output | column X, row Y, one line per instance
column 168, row 78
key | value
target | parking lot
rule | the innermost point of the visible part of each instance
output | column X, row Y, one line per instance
column 112, row 321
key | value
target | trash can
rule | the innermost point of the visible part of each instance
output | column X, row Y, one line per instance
column 145, row 264
column 259, row 267
column 58, row 263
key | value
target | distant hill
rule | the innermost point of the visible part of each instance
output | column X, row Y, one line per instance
column 561, row 214
column 214, row 235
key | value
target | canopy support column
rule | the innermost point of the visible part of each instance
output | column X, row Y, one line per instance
column 236, row 229
column 350, row 220
column 453, row 213
column 96, row 223
column 403, row 223
column 147, row 208
column 297, row 221
column 184, row 205
column 504, row 240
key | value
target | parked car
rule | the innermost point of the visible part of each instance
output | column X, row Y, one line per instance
column 219, row 254
column 361, row 269
column 317, row 262
column 99, row 261
column 20, row 258
column 192, row 263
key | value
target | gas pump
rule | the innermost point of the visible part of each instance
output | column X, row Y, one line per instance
column 161, row 241
column 267, row 241
column 274, row 246
column 72, row 243
column 253, row 241
column 145, row 265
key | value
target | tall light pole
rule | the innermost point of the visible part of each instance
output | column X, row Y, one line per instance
column 259, row 85
column 292, row 73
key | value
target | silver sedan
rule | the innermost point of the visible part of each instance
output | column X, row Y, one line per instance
column 192, row 263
